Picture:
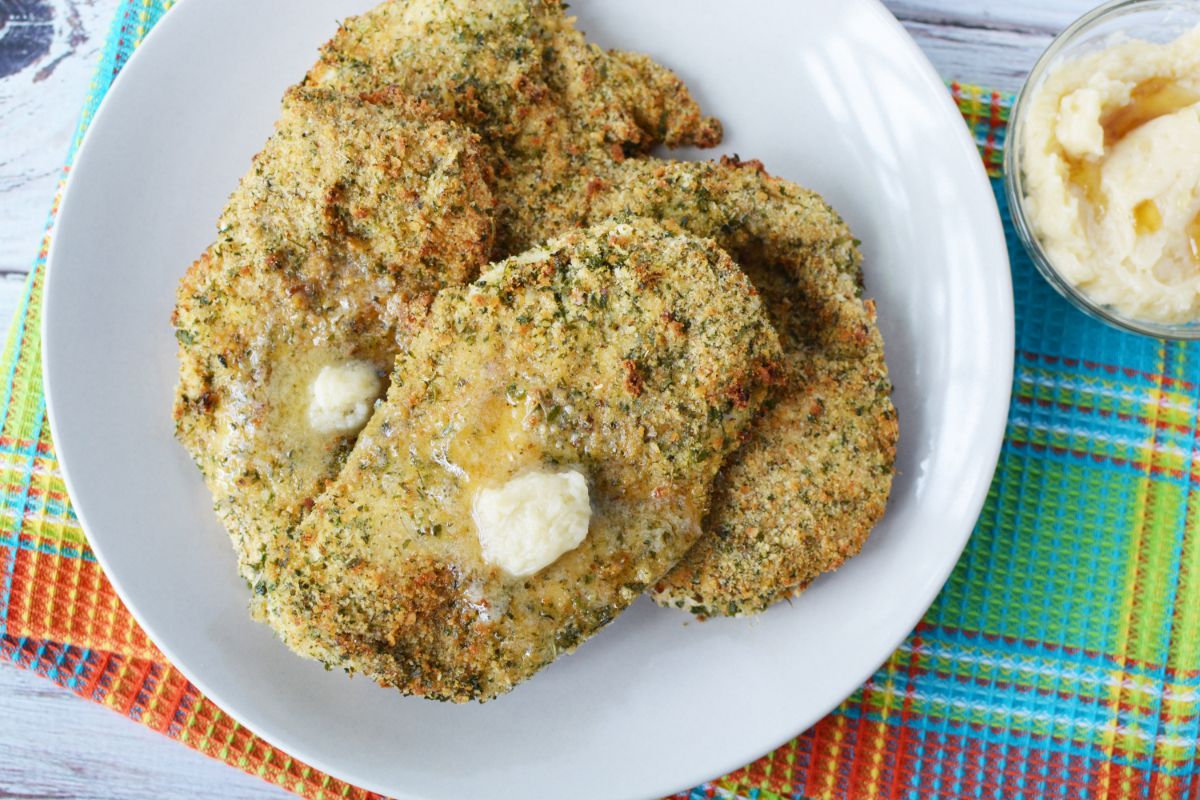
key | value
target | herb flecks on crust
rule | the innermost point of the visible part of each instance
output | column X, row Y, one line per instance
column 529, row 368
column 355, row 212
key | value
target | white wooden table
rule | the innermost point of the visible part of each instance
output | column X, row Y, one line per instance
column 54, row 745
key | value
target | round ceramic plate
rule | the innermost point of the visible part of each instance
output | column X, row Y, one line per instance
column 835, row 96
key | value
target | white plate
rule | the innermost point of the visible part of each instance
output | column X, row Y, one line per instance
column 833, row 95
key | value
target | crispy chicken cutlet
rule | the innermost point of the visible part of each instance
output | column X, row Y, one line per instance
column 623, row 359
column 550, row 105
column 805, row 492
column 626, row 374
column 355, row 212
column 571, row 127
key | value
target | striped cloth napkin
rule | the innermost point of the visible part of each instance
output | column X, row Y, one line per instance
column 1060, row 661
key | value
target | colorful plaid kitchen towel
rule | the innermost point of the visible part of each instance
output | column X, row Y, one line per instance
column 1062, row 659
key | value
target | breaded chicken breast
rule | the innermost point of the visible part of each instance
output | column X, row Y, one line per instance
column 365, row 203
column 804, row 493
column 550, row 105
column 571, row 127
column 625, row 355
column 353, row 214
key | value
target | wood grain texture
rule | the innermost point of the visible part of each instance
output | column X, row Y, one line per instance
column 982, row 41
column 56, row 745
column 39, row 107
column 53, row 745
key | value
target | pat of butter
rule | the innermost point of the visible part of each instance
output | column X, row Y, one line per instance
column 342, row 397
column 526, row 524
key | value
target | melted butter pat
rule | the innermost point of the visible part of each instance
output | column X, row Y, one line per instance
column 1085, row 174
column 342, row 396
column 496, row 444
column 1149, row 100
column 525, row 525
column 1146, row 218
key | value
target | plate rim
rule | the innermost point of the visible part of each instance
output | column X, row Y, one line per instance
column 938, row 579
column 1008, row 366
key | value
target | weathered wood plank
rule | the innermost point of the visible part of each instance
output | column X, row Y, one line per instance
column 989, row 43
column 1015, row 16
column 999, row 59
column 39, row 107
column 56, row 745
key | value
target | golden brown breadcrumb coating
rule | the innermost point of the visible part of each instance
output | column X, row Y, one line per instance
column 550, row 105
column 353, row 214
column 431, row 136
column 571, row 127
column 802, row 496
column 806, row 490
column 631, row 354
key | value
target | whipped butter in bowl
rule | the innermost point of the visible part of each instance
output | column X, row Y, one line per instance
column 1103, row 165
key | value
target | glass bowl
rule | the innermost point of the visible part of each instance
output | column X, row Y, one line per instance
column 1115, row 21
